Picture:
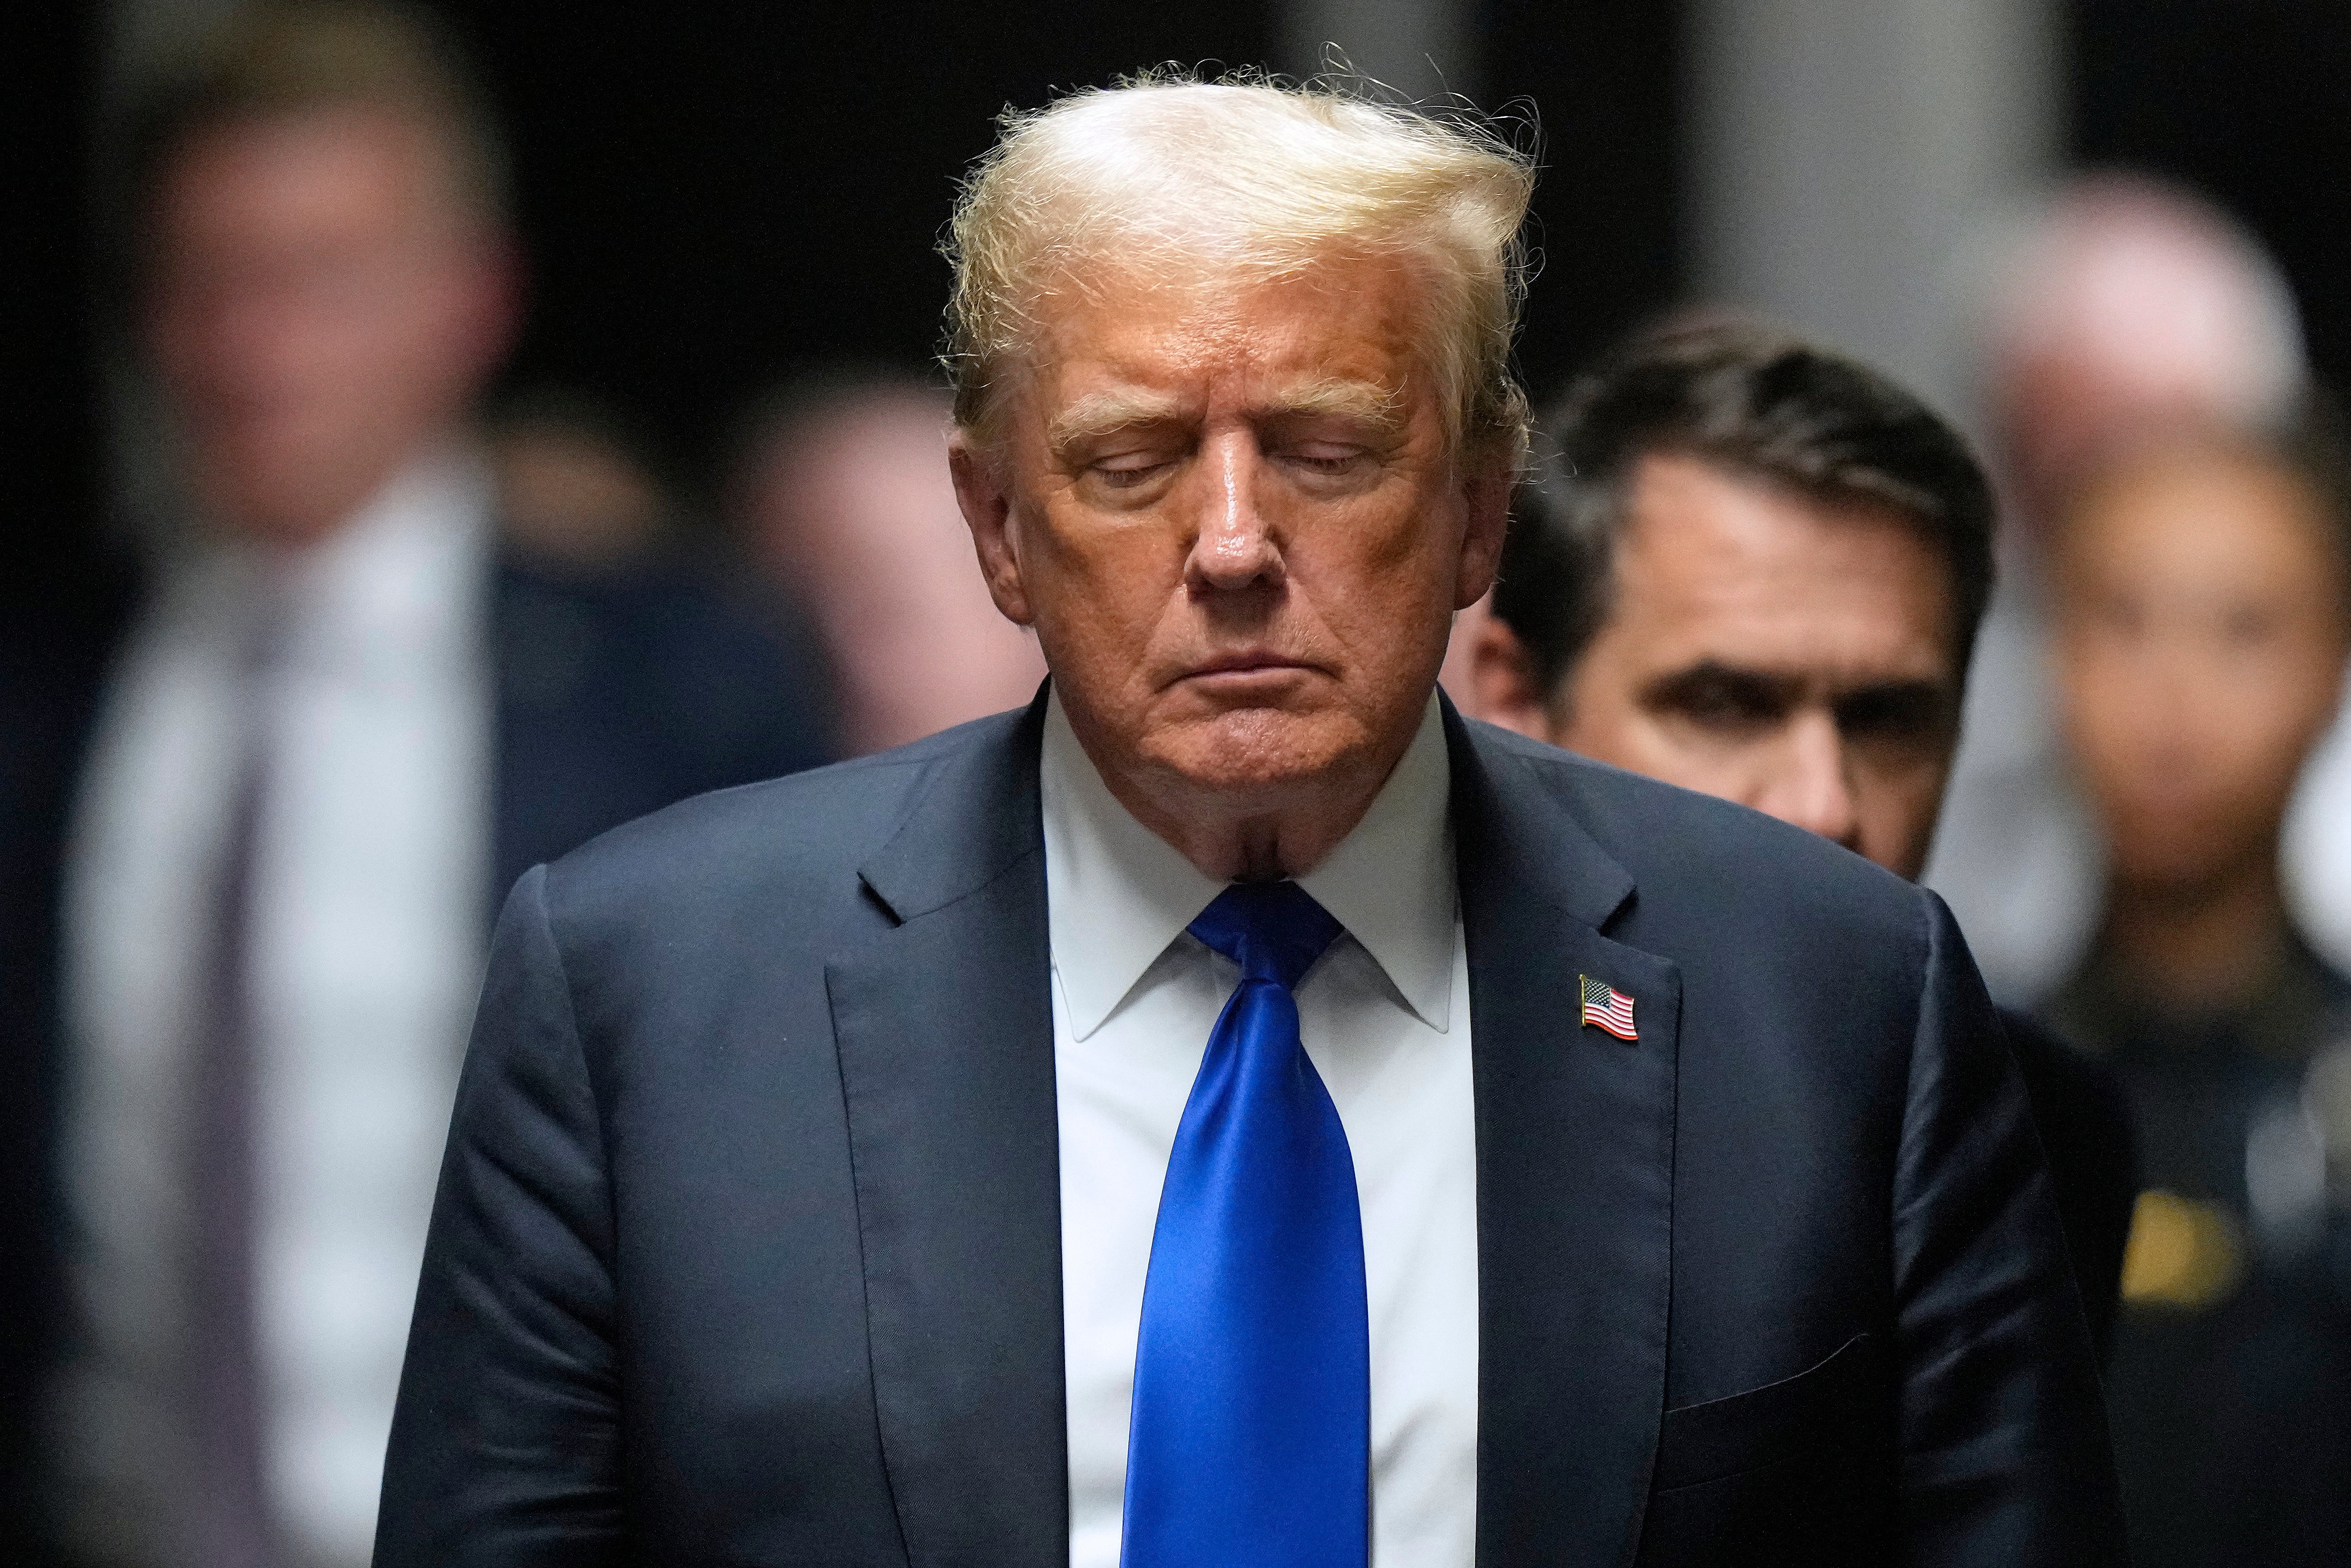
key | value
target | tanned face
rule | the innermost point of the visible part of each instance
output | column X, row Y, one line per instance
column 1231, row 512
column 2199, row 650
column 1762, row 646
column 321, row 304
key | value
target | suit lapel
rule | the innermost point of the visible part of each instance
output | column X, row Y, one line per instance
column 944, row 1030
column 1575, row 1133
column 943, row 1027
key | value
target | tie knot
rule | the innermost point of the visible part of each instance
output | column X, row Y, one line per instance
column 1273, row 930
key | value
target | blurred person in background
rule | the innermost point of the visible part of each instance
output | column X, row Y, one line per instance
column 337, row 726
column 576, row 490
column 2121, row 304
column 2200, row 600
column 841, row 495
column 1756, row 570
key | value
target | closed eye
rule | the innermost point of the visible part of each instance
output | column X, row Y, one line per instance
column 1327, row 460
column 1130, row 473
column 1129, row 464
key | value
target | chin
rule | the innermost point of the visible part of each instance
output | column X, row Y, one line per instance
column 1259, row 751
column 2177, row 859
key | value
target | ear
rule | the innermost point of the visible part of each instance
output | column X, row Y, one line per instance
column 987, row 503
column 1487, row 506
column 1502, row 677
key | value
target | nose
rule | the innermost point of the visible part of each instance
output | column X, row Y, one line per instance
column 1813, row 786
column 1236, row 548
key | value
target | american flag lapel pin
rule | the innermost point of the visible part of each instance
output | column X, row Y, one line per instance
column 1605, row 1006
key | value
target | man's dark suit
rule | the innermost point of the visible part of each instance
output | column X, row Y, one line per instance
column 615, row 696
column 747, row 1243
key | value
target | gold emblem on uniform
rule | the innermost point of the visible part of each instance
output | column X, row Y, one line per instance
column 2183, row 1253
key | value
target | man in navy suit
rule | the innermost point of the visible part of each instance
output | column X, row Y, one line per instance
column 1234, row 1110
column 260, row 804
column 1757, row 568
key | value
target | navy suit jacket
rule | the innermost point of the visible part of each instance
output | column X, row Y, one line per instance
column 614, row 696
column 747, row 1243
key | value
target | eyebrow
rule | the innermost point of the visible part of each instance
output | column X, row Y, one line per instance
column 1383, row 408
column 1098, row 414
column 1780, row 689
column 1678, row 688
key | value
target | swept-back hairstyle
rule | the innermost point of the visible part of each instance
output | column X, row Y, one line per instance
column 1757, row 404
column 1166, row 175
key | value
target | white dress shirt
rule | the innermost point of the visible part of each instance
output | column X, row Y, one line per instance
column 1385, row 1016
column 365, row 957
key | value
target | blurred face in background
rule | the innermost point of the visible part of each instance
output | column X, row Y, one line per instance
column 2200, row 641
column 1769, row 649
column 1233, row 514
column 322, row 304
column 2133, row 307
column 849, row 509
column 573, row 495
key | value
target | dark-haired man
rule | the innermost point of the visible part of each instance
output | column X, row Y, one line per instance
column 1756, row 570
column 284, row 783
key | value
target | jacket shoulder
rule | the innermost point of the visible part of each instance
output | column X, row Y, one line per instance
column 805, row 832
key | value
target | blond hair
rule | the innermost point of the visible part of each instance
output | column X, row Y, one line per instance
column 1170, row 174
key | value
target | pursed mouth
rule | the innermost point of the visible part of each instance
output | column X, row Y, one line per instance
column 1239, row 668
column 1245, row 664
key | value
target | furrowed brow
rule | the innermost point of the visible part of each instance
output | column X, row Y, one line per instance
column 1363, row 403
column 1709, row 678
column 1098, row 414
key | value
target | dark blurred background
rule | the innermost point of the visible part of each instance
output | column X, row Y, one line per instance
column 2248, row 101
column 711, row 537
column 712, row 194
column 715, row 192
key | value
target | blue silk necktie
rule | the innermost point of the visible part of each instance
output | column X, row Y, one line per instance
column 1251, row 1442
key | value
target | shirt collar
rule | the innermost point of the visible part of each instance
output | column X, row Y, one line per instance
column 398, row 576
column 1117, row 894
column 1390, row 882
